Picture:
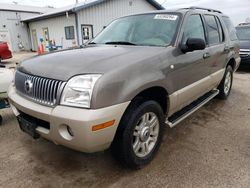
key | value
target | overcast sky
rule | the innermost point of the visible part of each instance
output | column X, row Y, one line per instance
column 238, row 10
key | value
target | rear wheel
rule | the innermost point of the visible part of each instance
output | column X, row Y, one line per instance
column 139, row 134
column 226, row 84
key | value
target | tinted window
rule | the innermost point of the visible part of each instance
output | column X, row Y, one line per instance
column 231, row 29
column 194, row 28
column 212, row 29
column 220, row 30
column 146, row 30
column 243, row 33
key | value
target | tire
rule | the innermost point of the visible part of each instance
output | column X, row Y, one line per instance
column 133, row 134
column 226, row 84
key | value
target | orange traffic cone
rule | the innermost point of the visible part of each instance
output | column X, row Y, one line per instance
column 42, row 49
column 39, row 50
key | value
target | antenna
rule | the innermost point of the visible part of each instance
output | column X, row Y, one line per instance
column 164, row 2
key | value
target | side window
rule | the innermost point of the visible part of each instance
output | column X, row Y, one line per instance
column 222, row 36
column 194, row 28
column 230, row 27
column 212, row 29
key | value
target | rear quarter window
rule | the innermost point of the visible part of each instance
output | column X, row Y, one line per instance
column 230, row 27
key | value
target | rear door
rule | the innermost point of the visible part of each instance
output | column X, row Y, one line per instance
column 217, row 48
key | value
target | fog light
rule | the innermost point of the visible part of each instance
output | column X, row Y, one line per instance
column 66, row 132
column 70, row 131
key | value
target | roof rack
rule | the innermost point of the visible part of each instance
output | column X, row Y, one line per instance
column 201, row 8
column 243, row 24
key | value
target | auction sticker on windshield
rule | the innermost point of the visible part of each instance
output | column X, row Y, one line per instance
column 166, row 17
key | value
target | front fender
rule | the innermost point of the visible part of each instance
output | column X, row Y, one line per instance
column 123, row 86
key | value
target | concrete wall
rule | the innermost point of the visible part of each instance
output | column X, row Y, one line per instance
column 102, row 14
column 18, row 32
column 56, row 27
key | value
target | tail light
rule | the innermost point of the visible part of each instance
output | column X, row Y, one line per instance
column 4, row 45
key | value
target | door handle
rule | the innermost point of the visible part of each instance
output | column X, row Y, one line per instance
column 206, row 55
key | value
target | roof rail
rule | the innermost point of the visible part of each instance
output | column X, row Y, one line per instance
column 207, row 9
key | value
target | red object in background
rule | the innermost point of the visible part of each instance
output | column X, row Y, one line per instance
column 5, row 53
column 42, row 49
column 39, row 50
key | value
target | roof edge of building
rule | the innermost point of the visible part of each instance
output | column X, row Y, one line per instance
column 81, row 7
column 42, row 17
column 152, row 2
column 28, row 11
column 156, row 4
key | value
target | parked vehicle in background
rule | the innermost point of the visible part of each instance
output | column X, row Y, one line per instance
column 5, row 53
column 243, row 33
column 140, row 73
column 6, row 77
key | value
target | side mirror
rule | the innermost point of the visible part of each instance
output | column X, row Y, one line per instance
column 193, row 44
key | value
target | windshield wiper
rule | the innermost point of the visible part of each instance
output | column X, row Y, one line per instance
column 121, row 43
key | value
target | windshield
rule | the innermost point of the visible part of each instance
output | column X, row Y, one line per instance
column 148, row 30
column 243, row 33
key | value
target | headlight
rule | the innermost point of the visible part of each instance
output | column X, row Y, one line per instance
column 78, row 90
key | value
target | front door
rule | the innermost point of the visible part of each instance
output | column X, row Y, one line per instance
column 192, row 71
column 87, row 33
column 34, row 40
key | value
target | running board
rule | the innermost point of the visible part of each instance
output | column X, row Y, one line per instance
column 190, row 109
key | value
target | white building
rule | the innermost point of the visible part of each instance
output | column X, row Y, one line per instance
column 76, row 24
column 12, row 30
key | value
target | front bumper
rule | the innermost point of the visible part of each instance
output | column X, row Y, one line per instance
column 79, row 120
column 245, row 61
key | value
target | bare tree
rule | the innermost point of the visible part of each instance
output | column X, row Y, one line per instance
column 248, row 20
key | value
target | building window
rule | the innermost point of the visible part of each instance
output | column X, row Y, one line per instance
column 87, row 33
column 69, row 33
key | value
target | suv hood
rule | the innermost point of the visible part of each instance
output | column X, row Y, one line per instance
column 245, row 44
column 63, row 65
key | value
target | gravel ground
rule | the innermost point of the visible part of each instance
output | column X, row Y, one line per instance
column 211, row 148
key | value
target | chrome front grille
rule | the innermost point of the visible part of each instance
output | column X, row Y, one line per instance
column 244, row 52
column 42, row 90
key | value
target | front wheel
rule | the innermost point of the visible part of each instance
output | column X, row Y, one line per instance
column 226, row 84
column 1, row 120
column 139, row 134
